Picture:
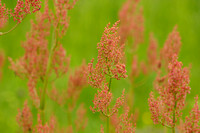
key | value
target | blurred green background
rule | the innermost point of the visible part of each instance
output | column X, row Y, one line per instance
column 87, row 22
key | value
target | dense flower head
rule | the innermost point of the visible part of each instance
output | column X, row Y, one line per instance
column 25, row 7
column 25, row 118
column 131, row 17
column 123, row 123
column 152, row 53
column 4, row 14
column 102, row 101
column 48, row 127
column 60, row 63
column 61, row 21
column 110, row 55
column 171, row 101
column 192, row 122
column 172, row 46
column 34, row 62
column 33, row 65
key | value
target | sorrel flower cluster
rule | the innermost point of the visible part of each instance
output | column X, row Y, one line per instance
column 40, row 64
column 192, row 122
column 109, row 66
column 131, row 17
column 109, row 61
column 4, row 12
column 168, row 106
column 172, row 46
column 21, row 10
column 123, row 123
column 25, row 7
column 33, row 65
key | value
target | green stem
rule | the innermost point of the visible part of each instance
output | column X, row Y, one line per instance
column 174, row 114
column 42, row 101
column 108, row 118
column 109, row 87
column 108, row 121
column 4, row 33
column 69, row 117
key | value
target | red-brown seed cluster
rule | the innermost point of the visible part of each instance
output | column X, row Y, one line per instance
column 61, row 21
column 33, row 65
column 109, row 65
column 152, row 53
column 4, row 14
column 102, row 102
column 48, row 127
column 192, row 122
column 24, row 119
column 23, row 8
column 172, row 46
column 124, row 123
column 131, row 22
column 171, row 101
column 109, row 61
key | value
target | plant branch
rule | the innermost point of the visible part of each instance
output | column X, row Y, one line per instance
column 4, row 33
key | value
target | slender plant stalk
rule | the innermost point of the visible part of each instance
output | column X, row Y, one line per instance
column 42, row 102
column 69, row 117
column 108, row 121
column 108, row 118
column 174, row 114
column 3, row 33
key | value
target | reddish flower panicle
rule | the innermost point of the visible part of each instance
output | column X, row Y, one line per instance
column 34, row 63
column 23, row 8
column 60, row 63
column 167, row 107
column 131, row 17
column 152, row 53
column 192, row 122
column 172, row 46
column 110, row 56
column 124, row 123
column 61, row 21
column 102, row 101
column 25, row 118
column 4, row 14
column 48, row 127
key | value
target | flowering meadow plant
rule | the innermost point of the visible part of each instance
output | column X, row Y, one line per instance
column 72, row 76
